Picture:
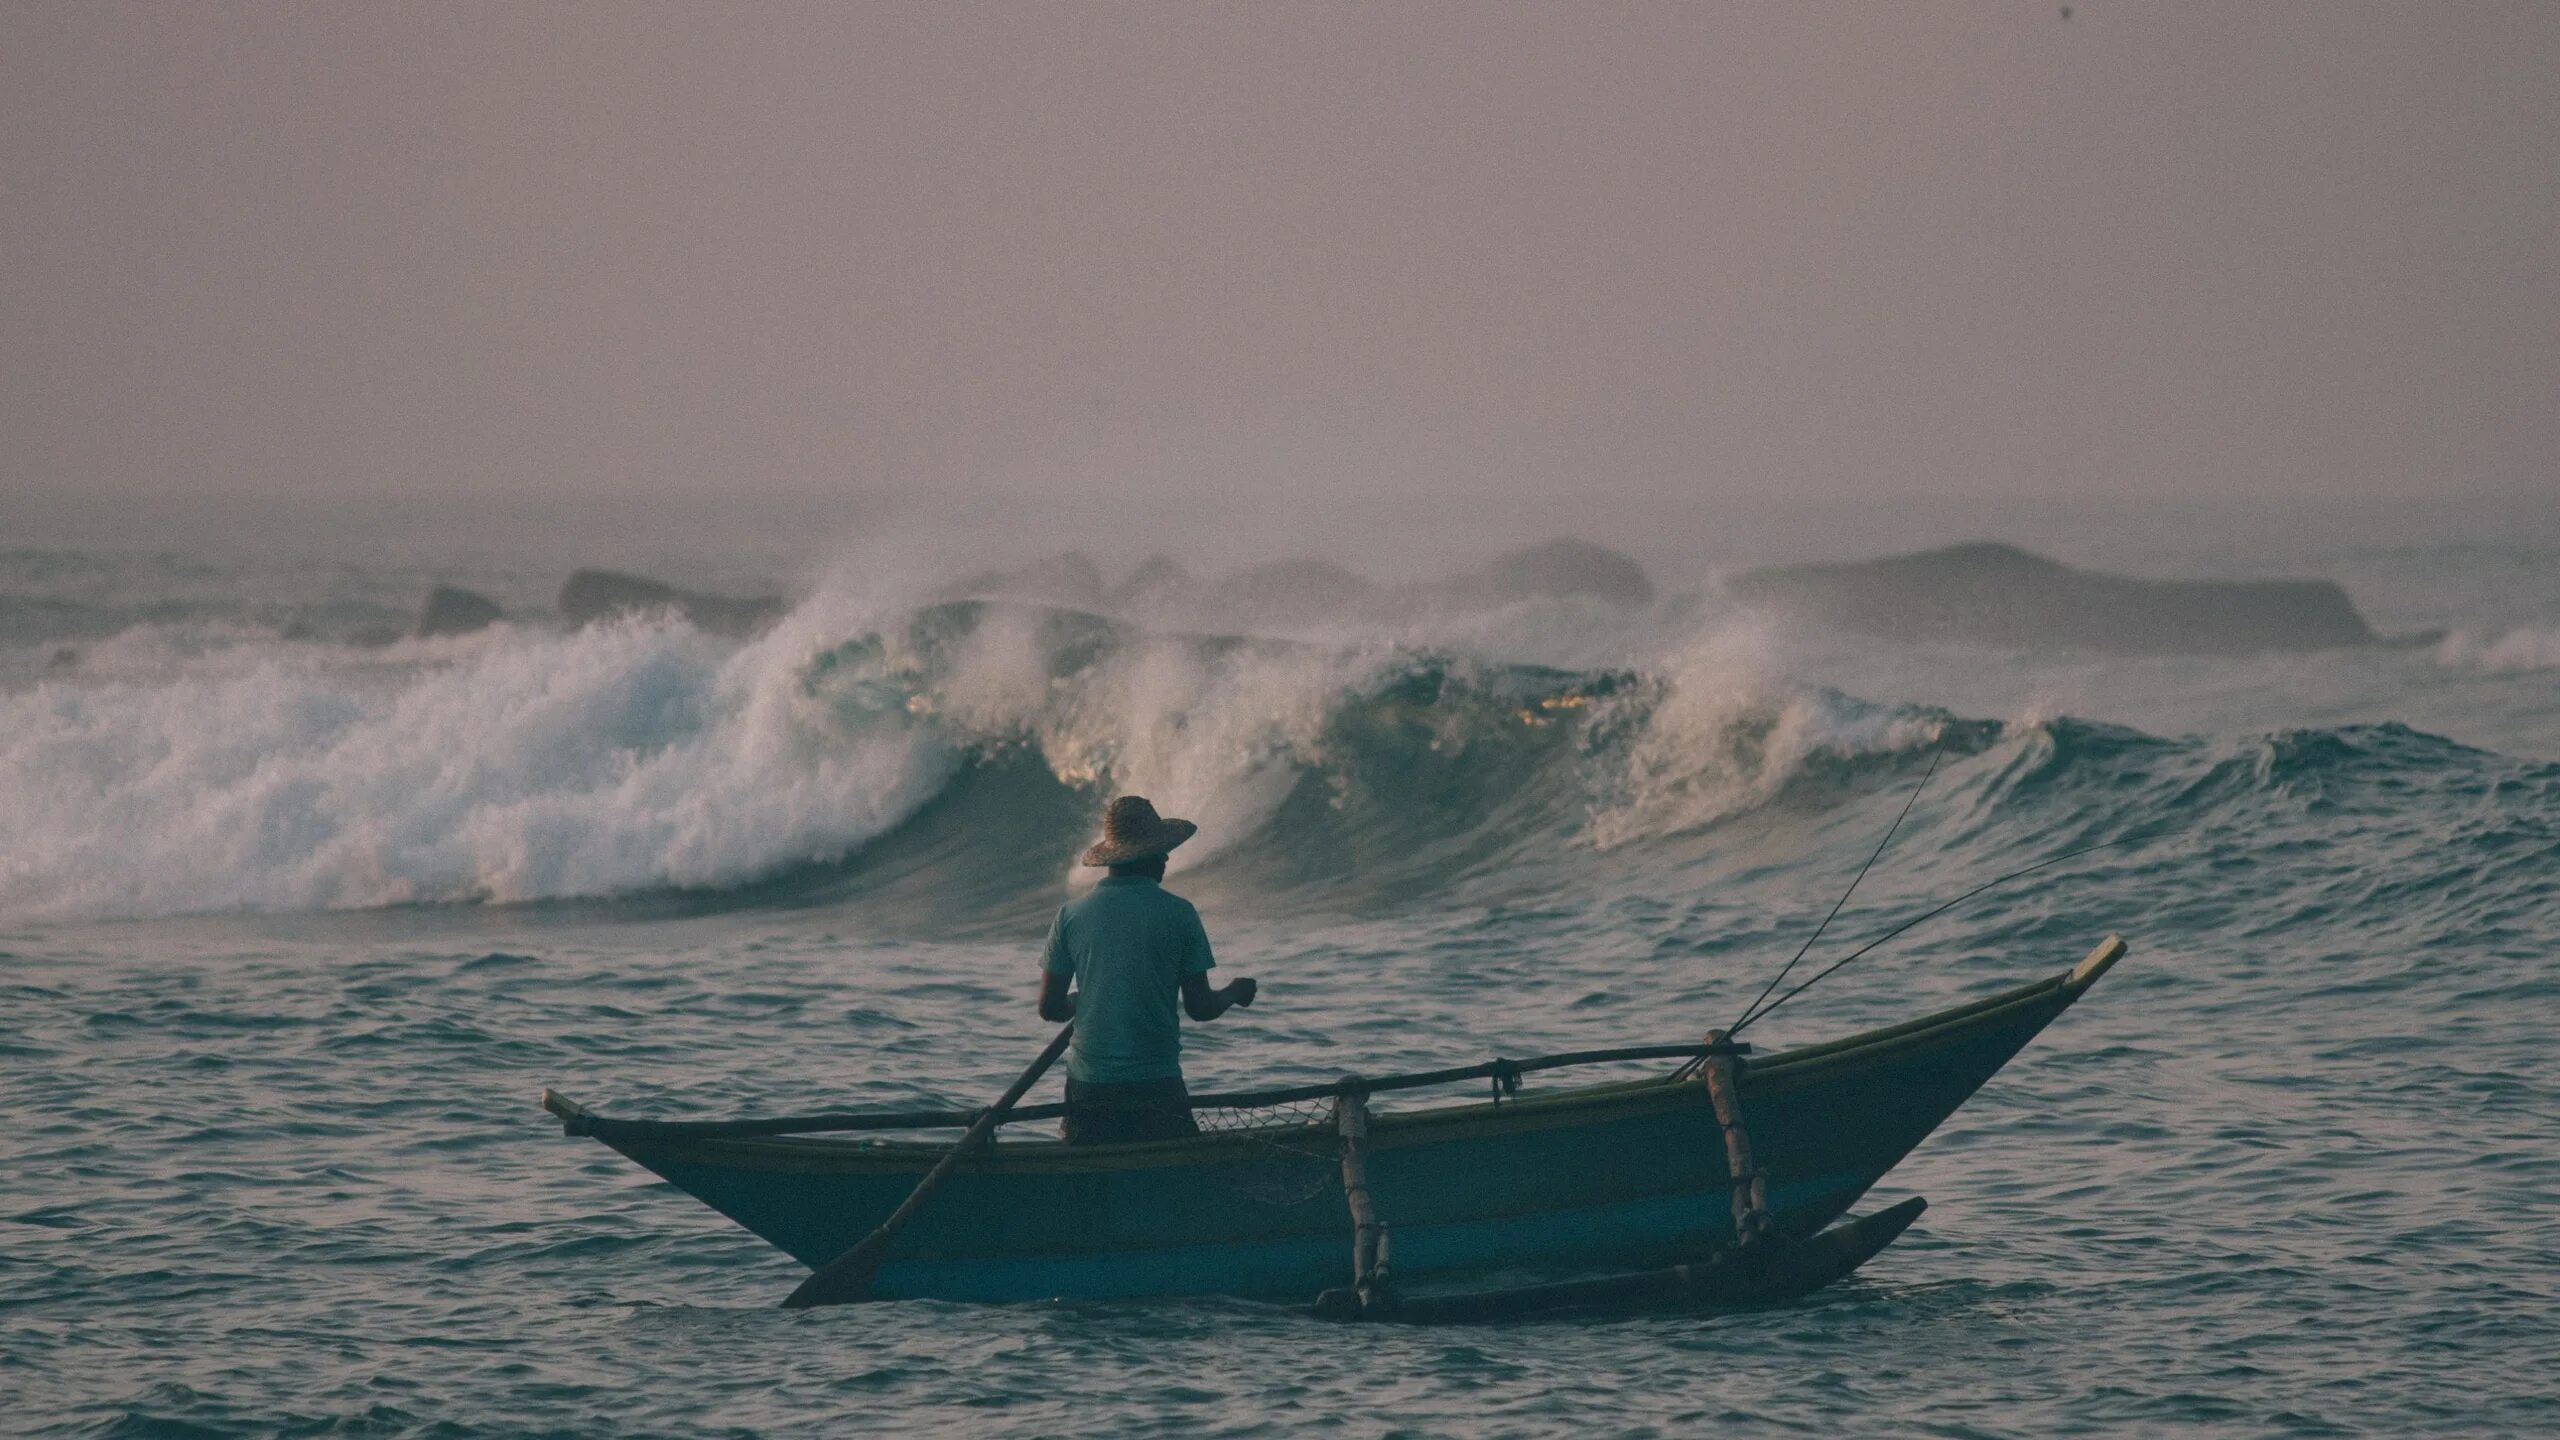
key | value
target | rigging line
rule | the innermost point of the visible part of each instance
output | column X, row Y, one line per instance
column 1935, row 754
column 1933, row 914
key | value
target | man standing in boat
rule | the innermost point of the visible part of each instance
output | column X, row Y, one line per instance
column 1129, row 947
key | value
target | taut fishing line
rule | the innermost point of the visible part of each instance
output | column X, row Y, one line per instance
column 1914, row 798
column 1931, row 915
column 1936, row 753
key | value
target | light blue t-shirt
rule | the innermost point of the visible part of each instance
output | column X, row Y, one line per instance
column 1128, row 942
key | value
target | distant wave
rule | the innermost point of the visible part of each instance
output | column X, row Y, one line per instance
column 2520, row 649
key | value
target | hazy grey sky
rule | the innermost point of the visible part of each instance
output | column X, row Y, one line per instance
column 444, row 250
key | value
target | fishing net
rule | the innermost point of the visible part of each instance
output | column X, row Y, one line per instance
column 1294, row 1150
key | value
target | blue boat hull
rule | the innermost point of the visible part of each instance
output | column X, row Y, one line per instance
column 1627, row 1175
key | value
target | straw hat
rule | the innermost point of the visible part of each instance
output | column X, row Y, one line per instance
column 1132, row 830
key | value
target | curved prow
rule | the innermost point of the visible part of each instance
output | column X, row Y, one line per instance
column 569, row 1111
column 2096, row 963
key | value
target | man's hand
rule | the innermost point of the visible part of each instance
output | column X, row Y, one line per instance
column 1204, row 1004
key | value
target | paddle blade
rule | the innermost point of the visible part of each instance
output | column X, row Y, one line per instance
column 845, row 1280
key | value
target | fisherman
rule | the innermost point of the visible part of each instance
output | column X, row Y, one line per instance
column 1129, row 946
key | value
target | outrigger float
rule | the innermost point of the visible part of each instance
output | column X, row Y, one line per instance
column 1716, row 1185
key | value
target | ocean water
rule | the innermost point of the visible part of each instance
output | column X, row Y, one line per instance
column 295, row 926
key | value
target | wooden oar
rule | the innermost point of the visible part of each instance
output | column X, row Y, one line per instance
column 848, row 1277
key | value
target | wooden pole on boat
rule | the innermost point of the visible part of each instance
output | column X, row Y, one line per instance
column 848, row 1277
column 1750, row 1188
column 1368, row 1234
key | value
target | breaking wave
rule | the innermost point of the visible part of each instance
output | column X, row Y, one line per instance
column 948, row 760
column 644, row 757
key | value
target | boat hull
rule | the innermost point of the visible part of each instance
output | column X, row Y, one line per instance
column 1627, row 1175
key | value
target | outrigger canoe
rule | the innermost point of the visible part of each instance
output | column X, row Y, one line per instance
column 1628, row 1185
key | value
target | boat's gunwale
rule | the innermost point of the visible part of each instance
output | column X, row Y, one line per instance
column 1391, row 1129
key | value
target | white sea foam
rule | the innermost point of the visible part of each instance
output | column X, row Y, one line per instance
column 523, row 764
column 1222, row 742
column 2520, row 649
column 624, row 757
column 1220, row 738
column 1726, row 730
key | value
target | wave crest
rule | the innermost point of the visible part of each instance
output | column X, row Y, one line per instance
column 645, row 756
column 626, row 757
column 1719, row 733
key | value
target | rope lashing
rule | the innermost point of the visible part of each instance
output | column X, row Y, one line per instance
column 1750, row 1184
column 1505, row 1075
column 1372, row 1282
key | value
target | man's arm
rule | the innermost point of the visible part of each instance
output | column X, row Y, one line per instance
column 1198, row 1000
column 1056, row 1005
column 1202, row 1003
column 1057, row 972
